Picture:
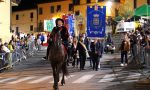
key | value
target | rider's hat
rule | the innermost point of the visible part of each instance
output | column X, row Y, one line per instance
column 59, row 19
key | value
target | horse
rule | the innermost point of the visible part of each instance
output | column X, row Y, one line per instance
column 57, row 57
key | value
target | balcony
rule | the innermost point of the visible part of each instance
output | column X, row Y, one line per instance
column 15, row 2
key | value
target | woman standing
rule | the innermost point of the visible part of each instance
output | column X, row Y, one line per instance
column 74, row 51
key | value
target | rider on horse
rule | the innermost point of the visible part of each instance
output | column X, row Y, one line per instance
column 64, row 34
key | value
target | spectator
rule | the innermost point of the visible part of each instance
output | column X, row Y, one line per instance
column 5, row 48
column 147, row 51
column 39, row 43
column 42, row 38
column 125, row 47
column 133, row 42
column 143, row 44
column 10, row 47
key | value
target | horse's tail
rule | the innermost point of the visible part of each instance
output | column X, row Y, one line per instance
column 65, row 69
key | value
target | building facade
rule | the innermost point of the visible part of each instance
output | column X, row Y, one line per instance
column 5, row 19
column 24, row 21
column 53, row 10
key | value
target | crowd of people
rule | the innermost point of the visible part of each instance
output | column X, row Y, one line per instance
column 19, row 47
column 81, row 49
column 137, row 44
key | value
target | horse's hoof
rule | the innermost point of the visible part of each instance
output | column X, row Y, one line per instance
column 55, row 87
column 62, row 83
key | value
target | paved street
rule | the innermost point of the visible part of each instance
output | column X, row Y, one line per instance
column 36, row 74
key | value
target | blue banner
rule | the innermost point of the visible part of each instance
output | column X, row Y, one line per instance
column 71, row 25
column 96, row 25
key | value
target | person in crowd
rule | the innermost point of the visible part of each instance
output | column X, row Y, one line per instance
column 42, row 39
column 133, row 42
column 2, row 56
column 64, row 35
column 83, row 53
column 8, row 55
column 93, row 53
column 147, row 50
column 74, row 52
column 143, row 44
column 125, row 47
column 99, row 53
column 89, row 51
column 39, row 43
column 10, row 47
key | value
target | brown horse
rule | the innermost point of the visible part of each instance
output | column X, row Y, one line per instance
column 57, row 57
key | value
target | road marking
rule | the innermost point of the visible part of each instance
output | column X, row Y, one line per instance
column 40, row 80
column 108, row 78
column 83, row 79
column 7, row 79
column 66, row 78
column 134, row 76
column 21, row 80
column 127, row 81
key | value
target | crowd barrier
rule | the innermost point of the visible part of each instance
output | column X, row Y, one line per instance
column 8, row 60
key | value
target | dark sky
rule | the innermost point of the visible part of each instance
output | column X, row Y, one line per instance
column 30, row 4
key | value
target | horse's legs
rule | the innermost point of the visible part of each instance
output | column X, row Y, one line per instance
column 55, row 86
column 63, row 70
column 58, row 71
column 63, row 80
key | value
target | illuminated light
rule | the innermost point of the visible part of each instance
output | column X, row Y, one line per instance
column 109, row 4
column 108, row 8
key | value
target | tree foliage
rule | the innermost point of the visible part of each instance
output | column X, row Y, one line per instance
column 125, row 10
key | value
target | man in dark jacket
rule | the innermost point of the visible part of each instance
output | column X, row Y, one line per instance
column 82, row 53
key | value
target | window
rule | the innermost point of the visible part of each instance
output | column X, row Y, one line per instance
column 52, row 9
column 31, row 27
column 70, row 7
column 77, row 13
column 100, row 0
column 40, row 11
column 58, row 8
column 117, row 0
column 88, row 1
column 76, row 2
column 17, row 17
column 31, row 15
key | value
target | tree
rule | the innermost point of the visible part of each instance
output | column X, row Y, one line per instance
column 125, row 10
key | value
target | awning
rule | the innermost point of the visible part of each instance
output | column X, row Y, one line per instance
column 143, row 10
